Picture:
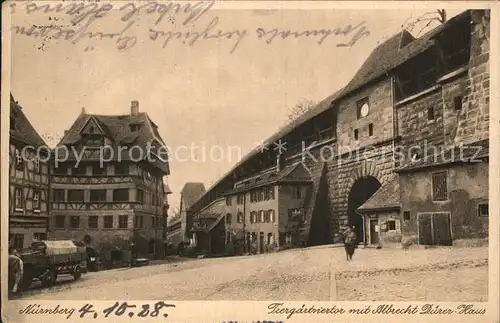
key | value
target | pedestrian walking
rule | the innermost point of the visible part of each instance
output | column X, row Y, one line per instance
column 15, row 271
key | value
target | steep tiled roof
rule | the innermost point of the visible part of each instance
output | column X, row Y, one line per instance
column 291, row 174
column 190, row 192
column 471, row 153
column 117, row 129
column 384, row 58
column 24, row 131
column 387, row 197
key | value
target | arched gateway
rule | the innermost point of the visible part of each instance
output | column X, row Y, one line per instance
column 361, row 190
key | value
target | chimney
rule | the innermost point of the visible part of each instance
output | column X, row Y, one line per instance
column 83, row 110
column 134, row 108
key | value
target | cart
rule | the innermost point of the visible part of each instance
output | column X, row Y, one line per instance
column 45, row 260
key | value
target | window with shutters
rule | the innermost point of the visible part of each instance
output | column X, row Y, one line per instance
column 272, row 215
column 123, row 221
column 406, row 216
column 93, row 222
column 391, row 225
column 36, row 200
column 108, row 222
column 19, row 160
column 120, row 195
column 75, row 196
column 261, row 217
column 58, row 195
column 97, row 195
column 439, row 186
column 19, row 198
column 37, row 164
column 240, row 217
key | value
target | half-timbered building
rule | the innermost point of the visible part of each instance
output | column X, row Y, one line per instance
column 28, row 181
column 109, row 192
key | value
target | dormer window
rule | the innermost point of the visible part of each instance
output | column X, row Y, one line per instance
column 91, row 130
column 135, row 127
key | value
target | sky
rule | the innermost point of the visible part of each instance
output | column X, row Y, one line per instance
column 202, row 95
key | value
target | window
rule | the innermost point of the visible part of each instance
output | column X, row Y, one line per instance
column 60, row 170
column 363, row 107
column 294, row 214
column 430, row 113
column 36, row 164
column 17, row 240
column 297, row 192
column 81, row 170
column 457, row 103
column 270, row 238
column 12, row 123
column 391, row 225
column 91, row 130
column 93, row 222
column 121, row 169
column 140, row 196
column 60, row 221
column 356, row 134
column 139, row 222
column 19, row 198
column 261, row 216
column 229, row 218
column 75, row 195
column 39, row 236
column 240, row 199
column 108, row 222
column 253, row 217
column 74, row 222
column 288, row 237
column 135, row 127
column 483, row 210
column 123, row 221
column 370, row 129
column 406, row 216
column 19, row 160
column 240, row 217
column 416, row 75
column 36, row 200
column 97, row 195
column 94, row 142
column 439, row 186
column 454, row 52
column 98, row 170
column 120, row 195
column 58, row 195
column 272, row 216
column 228, row 200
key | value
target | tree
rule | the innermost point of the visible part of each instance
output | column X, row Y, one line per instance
column 174, row 215
column 300, row 108
column 438, row 16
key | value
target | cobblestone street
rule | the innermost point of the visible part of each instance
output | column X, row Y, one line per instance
column 437, row 274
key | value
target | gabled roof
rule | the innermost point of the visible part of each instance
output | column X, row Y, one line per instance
column 24, row 131
column 387, row 197
column 471, row 153
column 384, row 58
column 190, row 192
column 117, row 128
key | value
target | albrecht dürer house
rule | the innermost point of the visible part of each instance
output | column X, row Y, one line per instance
column 28, row 181
column 400, row 153
column 122, row 202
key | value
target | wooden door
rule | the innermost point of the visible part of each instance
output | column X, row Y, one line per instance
column 425, row 229
column 374, row 237
column 441, row 229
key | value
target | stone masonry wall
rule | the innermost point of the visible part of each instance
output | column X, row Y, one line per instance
column 473, row 122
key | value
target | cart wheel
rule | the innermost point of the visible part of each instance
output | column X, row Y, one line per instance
column 77, row 272
column 50, row 278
